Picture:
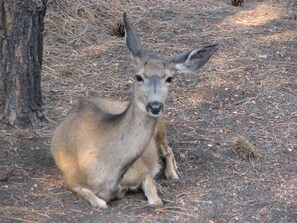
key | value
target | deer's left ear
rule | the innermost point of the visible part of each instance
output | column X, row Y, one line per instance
column 194, row 59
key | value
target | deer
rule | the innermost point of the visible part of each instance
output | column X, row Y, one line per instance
column 105, row 148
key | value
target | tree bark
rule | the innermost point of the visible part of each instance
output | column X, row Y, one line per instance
column 21, row 43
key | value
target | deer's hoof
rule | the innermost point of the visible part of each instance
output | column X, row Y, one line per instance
column 157, row 203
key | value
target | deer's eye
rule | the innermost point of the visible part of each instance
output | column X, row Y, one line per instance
column 138, row 78
column 169, row 79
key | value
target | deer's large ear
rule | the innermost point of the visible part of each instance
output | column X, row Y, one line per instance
column 132, row 40
column 194, row 59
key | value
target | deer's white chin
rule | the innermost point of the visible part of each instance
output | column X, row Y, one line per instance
column 155, row 115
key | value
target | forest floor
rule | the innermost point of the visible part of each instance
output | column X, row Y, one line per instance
column 232, row 125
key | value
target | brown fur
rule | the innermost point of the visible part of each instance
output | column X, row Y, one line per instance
column 105, row 148
column 160, row 137
column 79, row 133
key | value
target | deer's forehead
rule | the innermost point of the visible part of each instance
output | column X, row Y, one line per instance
column 155, row 67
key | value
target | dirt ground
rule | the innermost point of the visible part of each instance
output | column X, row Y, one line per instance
column 247, row 92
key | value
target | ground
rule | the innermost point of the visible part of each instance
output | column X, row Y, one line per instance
column 232, row 125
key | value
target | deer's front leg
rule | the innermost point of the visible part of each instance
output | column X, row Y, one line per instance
column 170, row 163
column 149, row 187
column 168, row 155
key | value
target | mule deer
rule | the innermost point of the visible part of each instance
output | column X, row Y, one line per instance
column 106, row 148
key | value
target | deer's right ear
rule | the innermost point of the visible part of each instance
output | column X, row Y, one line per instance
column 132, row 40
column 194, row 59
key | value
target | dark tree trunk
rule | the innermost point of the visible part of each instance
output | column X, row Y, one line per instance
column 21, row 41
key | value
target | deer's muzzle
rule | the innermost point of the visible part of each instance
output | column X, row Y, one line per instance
column 155, row 108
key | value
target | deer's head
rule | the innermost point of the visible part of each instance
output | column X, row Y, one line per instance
column 154, row 75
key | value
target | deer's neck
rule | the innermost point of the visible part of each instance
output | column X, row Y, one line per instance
column 133, row 129
column 136, row 127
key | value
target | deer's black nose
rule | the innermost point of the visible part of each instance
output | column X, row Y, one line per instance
column 154, row 107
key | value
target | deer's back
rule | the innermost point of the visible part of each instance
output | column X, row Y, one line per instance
column 82, row 134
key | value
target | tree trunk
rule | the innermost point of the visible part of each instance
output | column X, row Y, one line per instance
column 21, row 41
